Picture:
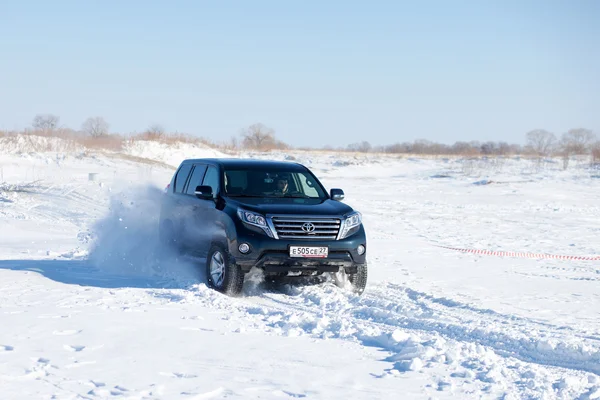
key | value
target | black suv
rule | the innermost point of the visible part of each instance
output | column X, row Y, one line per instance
column 273, row 215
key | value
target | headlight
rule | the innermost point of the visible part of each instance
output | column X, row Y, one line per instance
column 254, row 219
column 350, row 225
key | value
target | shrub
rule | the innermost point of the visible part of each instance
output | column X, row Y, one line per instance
column 104, row 142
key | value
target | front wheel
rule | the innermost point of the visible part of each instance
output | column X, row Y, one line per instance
column 357, row 281
column 223, row 275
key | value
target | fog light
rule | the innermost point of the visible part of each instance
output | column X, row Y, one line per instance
column 244, row 248
column 361, row 250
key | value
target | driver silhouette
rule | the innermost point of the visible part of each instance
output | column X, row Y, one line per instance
column 282, row 186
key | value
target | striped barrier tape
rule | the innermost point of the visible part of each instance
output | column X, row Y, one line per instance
column 521, row 254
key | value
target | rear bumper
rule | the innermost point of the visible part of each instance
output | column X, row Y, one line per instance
column 272, row 255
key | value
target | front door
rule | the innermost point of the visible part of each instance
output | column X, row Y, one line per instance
column 190, row 205
column 206, row 213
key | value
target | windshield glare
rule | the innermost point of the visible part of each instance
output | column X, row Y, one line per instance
column 272, row 184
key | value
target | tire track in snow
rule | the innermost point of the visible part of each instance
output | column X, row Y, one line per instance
column 480, row 347
column 452, row 309
column 410, row 350
column 512, row 336
column 394, row 306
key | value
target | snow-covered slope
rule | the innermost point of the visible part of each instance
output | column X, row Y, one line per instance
column 171, row 154
column 31, row 144
column 90, row 309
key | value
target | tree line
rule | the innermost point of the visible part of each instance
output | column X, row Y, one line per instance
column 259, row 137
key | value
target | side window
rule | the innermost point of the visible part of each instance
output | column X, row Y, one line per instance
column 196, row 179
column 308, row 186
column 212, row 179
column 236, row 181
column 181, row 176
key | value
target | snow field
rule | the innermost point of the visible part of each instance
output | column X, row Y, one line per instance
column 91, row 308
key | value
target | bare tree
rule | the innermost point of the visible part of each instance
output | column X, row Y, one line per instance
column 95, row 127
column 233, row 143
column 541, row 142
column 577, row 141
column 503, row 148
column 258, row 137
column 362, row 147
column 596, row 153
column 155, row 131
column 489, row 148
column 463, row 148
column 398, row 148
column 515, row 148
column 420, row 146
column 45, row 122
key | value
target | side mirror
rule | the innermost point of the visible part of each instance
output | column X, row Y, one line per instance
column 337, row 194
column 204, row 192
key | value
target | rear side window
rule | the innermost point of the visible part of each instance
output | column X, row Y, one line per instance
column 212, row 179
column 181, row 176
column 196, row 178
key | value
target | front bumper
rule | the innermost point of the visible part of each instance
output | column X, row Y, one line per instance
column 272, row 255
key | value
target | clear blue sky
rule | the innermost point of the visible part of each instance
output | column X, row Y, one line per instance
column 317, row 72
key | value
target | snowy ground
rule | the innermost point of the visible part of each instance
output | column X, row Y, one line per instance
column 88, row 310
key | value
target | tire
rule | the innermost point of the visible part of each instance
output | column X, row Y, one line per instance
column 359, row 279
column 221, row 274
column 357, row 282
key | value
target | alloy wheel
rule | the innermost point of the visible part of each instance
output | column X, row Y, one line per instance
column 217, row 268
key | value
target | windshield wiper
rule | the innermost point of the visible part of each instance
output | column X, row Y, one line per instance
column 246, row 195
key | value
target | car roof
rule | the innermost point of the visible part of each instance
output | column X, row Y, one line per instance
column 247, row 163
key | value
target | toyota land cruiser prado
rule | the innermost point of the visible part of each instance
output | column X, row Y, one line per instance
column 277, row 216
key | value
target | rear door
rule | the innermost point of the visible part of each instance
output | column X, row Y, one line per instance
column 206, row 213
column 173, row 207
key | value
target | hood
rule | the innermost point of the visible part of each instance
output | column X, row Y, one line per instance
column 292, row 206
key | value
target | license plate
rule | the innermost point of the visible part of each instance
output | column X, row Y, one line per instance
column 309, row 251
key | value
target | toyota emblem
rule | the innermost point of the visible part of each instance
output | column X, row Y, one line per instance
column 308, row 227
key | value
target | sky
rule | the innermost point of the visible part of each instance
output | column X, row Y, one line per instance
column 317, row 73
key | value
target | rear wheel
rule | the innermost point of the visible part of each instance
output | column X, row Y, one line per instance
column 357, row 281
column 223, row 275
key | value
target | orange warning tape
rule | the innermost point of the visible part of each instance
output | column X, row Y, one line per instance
column 521, row 254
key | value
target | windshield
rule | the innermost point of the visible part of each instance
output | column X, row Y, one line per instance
column 267, row 183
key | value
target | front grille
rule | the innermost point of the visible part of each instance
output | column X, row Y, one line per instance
column 292, row 227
